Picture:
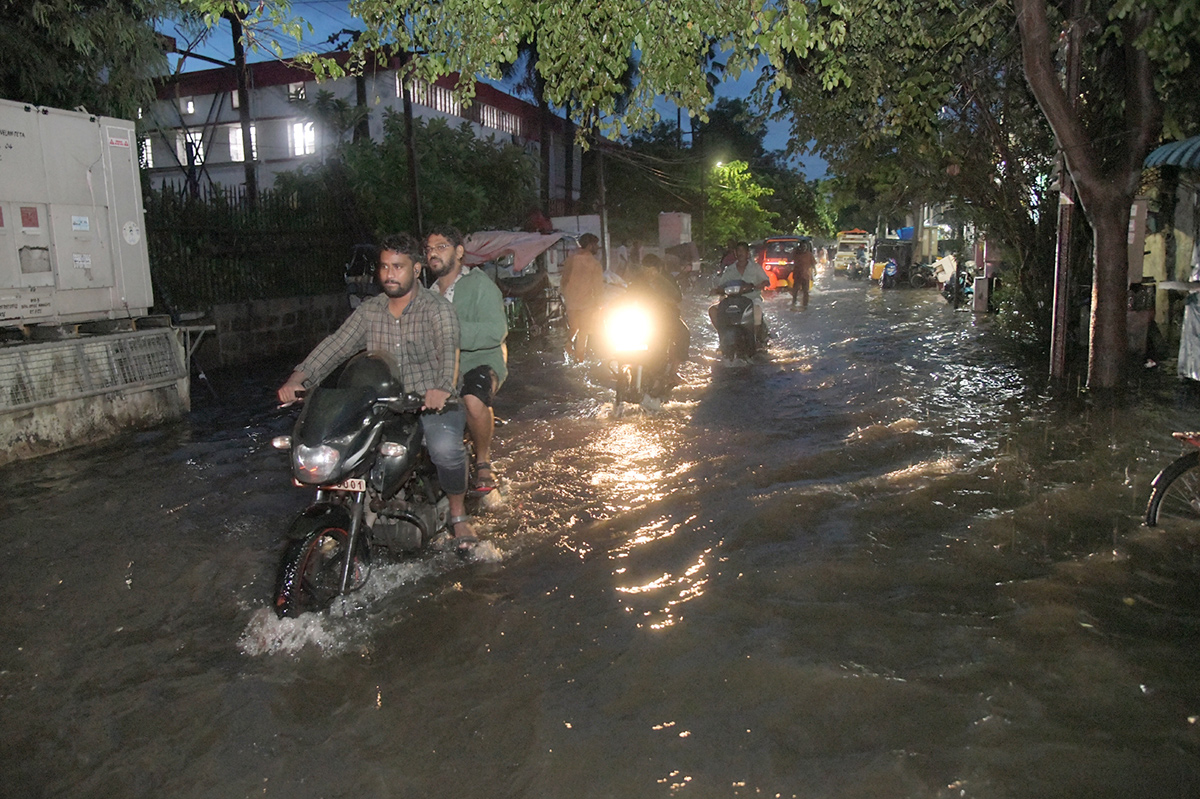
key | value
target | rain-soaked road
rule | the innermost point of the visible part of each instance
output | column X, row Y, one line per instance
column 883, row 564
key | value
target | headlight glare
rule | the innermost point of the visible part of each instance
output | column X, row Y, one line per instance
column 628, row 328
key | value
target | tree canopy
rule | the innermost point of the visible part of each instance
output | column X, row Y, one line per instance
column 98, row 54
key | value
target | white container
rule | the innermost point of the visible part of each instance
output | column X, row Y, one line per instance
column 72, row 231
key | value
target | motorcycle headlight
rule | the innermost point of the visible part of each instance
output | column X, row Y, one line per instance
column 315, row 464
column 628, row 328
column 732, row 289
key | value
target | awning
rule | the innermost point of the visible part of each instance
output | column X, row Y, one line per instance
column 1184, row 154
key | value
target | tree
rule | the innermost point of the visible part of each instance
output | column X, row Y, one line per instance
column 470, row 182
column 584, row 53
column 734, row 202
column 98, row 54
column 1142, row 52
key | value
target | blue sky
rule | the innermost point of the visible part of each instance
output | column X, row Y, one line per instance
column 330, row 16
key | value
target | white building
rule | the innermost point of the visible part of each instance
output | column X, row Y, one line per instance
column 194, row 129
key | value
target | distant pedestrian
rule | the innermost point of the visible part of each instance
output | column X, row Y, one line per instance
column 582, row 289
column 802, row 271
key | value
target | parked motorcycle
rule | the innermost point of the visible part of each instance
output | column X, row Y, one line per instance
column 361, row 447
column 959, row 287
column 733, row 318
column 891, row 274
column 921, row 276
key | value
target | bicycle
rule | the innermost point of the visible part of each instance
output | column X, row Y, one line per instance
column 1175, row 491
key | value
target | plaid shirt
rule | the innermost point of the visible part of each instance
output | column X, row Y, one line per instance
column 424, row 341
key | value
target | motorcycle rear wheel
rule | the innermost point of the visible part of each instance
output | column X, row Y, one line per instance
column 310, row 574
column 918, row 280
column 1176, row 492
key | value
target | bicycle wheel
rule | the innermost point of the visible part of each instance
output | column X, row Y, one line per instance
column 1176, row 492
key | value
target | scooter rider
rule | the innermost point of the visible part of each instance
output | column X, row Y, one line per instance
column 749, row 271
column 421, row 330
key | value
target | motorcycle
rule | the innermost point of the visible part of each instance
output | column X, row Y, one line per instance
column 891, row 274
column 960, row 286
column 921, row 276
column 856, row 269
column 638, row 342
column 360, row 445
column 733, row 318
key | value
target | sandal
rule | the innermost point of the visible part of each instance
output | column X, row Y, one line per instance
column 463, row 544
column 482, row 485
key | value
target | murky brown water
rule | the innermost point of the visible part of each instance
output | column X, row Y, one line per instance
column 883, row 564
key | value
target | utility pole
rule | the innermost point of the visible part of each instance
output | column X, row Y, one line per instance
column 243, row 93
column 1066, row 212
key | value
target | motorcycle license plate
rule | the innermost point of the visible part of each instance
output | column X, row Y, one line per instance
column 356, row 484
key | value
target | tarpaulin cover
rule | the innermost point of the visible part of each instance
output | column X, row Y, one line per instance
column 488, row 245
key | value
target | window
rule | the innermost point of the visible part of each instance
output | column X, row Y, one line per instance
column 304, row 138
column 187, row 105
column 189, row 147
column 236, row 151
column 295, row 92
column 233, row 99
column 439, row 98
column 145, row 154
column 503, row 121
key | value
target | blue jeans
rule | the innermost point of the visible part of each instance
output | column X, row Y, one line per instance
column 444, row 440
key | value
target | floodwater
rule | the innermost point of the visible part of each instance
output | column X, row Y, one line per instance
column 883, row 563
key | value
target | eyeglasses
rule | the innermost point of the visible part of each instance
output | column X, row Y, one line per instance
column 432, row 248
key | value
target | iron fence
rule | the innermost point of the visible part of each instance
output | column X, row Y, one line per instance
column 217, row 247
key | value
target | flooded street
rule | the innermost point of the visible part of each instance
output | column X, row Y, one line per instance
column 882, row 563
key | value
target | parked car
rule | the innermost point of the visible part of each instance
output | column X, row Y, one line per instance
column 774, row 255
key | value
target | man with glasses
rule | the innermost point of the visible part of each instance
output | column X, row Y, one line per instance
column 483, row 355
column 420, row 329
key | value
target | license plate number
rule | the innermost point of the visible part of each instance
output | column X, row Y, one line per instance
column 356, row 484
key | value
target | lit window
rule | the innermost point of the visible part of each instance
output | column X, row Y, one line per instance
column 189, row 147
column 187, row 105
column 295, row 92
column 146, row 154
column 436, row 97
column 233, row 96
column 304, row 138
column 236, row 151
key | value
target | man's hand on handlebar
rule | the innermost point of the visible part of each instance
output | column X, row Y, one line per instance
column 292, row 390
column 435, row 399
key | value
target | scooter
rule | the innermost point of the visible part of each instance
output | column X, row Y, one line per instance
column 733, row 318
column 638, row 342
column 361, row 447
column 890, row 276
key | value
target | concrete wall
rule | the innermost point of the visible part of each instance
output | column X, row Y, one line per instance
column 73, row 423
column 79, row 391
column 248, row 331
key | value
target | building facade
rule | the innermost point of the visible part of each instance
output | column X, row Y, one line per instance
column 193, row 132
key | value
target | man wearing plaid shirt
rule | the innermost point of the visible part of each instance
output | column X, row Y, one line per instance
column 421, row 330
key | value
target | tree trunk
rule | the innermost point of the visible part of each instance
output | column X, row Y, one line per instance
column 250, row 160
column 1108, row 341
column 1105, row 194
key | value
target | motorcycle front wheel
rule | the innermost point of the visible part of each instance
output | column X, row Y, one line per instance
column 310, row 574
column 917, row 280
column 1176, row 492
